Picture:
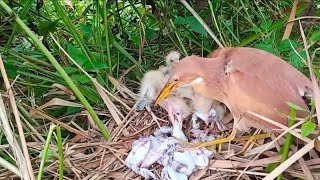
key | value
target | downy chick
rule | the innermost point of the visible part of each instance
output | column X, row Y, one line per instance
column 208, row 110
column 152, row 83
column 171, row 57
column 154, row 80
column 177, row 111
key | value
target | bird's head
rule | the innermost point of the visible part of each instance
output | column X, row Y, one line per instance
column 177, row 109
column 172, row 57
column 183, row 73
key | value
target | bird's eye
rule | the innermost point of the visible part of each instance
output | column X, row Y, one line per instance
column 178, row 114
column 176, row 80
column 171, row 60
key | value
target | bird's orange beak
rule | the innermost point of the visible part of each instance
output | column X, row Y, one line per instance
column 166, row 91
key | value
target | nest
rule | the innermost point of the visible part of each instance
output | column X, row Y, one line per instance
column 88, row 156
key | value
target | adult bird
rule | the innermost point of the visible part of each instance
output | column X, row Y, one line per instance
column 245, row 80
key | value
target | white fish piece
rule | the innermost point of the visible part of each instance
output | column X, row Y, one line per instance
column 178, row 133
column 163, row 131
column 146, row 173
column 155, row 153
column 168, row 155
column 175, row 175
column 201, row 136
column 199, row 158
column 207, row 152
column 139, row 151
column 186, row 159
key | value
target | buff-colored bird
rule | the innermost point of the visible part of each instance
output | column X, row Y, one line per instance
column 208, row 110
column 245, row 80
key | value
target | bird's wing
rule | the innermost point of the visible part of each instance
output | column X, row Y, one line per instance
column 262, row 81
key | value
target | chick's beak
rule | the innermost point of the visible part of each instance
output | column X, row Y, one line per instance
column 166, row 91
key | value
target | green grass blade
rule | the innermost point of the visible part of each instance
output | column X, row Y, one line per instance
column 60, row 151
column 56, row 64
column 45, row 151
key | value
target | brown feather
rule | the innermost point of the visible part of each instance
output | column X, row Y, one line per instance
column 246, row 79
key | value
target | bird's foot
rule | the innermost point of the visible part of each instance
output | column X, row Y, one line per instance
column 209, row 143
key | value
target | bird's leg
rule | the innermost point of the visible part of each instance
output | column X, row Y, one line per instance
column 250, row 139
column 209, row 143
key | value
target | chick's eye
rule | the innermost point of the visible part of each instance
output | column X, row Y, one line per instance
column 171, row 60
column 178, row 114
column 176, row 80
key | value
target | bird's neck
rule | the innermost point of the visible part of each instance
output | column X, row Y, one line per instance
column 213, row 75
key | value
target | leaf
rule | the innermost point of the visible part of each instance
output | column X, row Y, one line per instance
column 76, row 54
column 45, row 27
column 180, row 20
column 49, row 154
column 316, row 72
column 73, row 110
column 307, row 128
column 196, row 26
column 86, row 29
column 94, row 65
column 315, row 37
column 286, row 46
column 253, row 29
column 296, row 107
column 80, row 78
column 270, row 167
column 11, row 70
column 70, row 70
column 266, row 25
column 216, row 5
column 150, row 33
column 267, row 47
column 134, row 37
column 296, row 61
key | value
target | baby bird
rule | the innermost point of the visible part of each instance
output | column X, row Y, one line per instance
column 172, row 56
column 177, row 110
column 154, row 80
column 207, row 109
column 152, row 83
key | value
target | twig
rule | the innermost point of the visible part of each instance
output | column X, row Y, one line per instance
column 282, row 134
column 69, row 128
column 289, row 27
column 4, row 163
column 315, row 86
column 205, row 26
column 13, row 143
column 18, row 120
column 293, row 132
column 304, row 17
column 290, row 161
